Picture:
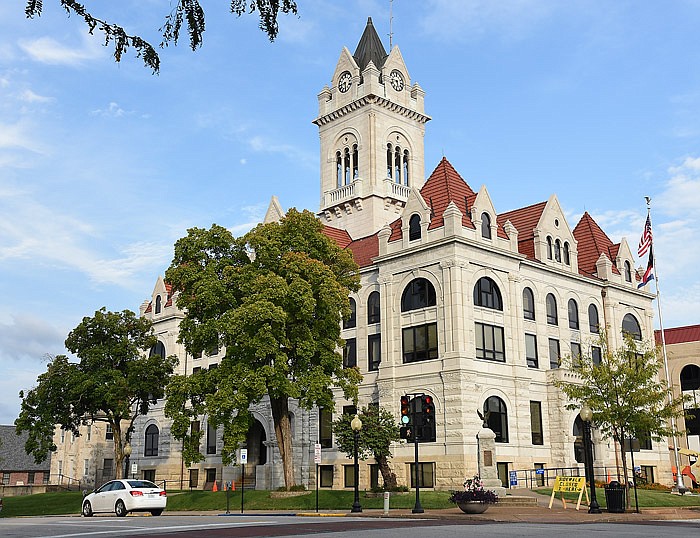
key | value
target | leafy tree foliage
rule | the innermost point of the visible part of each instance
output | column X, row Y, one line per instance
column 187, row 13
column 379, row 430
column 114, row 382
column 273, row 299
column 624, row 393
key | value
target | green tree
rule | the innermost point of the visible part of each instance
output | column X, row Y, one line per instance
column 184, row 15
column 273, row 299
column 114, row 382
column 624, row 393
column 379, row 430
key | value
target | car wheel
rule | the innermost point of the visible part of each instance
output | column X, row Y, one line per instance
column 120, row 509
column 87, row 509
column 156, row 512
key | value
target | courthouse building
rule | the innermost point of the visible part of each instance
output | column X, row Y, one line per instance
column 460, row 300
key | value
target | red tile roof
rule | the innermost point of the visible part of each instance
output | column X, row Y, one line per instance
column 525, row 221
column 341, row 237
column 592, row 242
column 363, row 249
column 679, row 335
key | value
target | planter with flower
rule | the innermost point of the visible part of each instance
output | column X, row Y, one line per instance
column 474, row 499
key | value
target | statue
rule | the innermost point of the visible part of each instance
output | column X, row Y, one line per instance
column 484, row 418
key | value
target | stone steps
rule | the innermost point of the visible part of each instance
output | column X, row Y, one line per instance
column 515, row 500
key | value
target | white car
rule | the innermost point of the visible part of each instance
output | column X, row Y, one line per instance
column 124, row 496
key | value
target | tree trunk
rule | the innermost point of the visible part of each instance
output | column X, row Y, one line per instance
column 283, row 432
column 625, row 479
column 388, row 475
column 118, row 450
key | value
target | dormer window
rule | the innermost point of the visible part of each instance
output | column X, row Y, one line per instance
column 549, row 248
column 628, row 272
column 557, row 250
column 414, row 228
column 159, row 304
column 567, row 254
column 485, row 226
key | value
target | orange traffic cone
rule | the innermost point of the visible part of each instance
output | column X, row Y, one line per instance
column 233, row 485
column 215, row 487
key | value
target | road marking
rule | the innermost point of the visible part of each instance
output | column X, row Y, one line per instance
column 158, row 529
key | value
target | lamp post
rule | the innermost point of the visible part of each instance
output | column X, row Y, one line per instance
column 586, row 416
column 127, row 453
column 356, row 425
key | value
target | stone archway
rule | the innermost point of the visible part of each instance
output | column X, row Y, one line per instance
column 257, row 450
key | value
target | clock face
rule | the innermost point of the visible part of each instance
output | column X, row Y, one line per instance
column 396, row 79
column 345, row 81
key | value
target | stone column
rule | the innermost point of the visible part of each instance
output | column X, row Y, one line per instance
column 488, row 472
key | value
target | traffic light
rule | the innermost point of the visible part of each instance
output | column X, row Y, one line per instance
column 428, row 415
column 405, row 410
column 406, row 432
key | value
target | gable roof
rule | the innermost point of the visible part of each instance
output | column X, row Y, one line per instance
column 679, row 335
column 525, row 221
column 12, row 454
column 592, row 242
column 370, row 48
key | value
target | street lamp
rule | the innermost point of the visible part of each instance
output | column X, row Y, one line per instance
column 356, row 425
column 586, row 416
column 127, row 453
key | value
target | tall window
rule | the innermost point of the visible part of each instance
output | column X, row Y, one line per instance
column 109, row 433
column 347, row 165
column 531, row 351
column 528, row 304
column 576, row 353
column 628, row 272
column 414, row 231
column 557, row 250
column 552, row 315
column 426, row 475
column 549, row 248
column 554, row 354
column 536, row 423
column 158, row 349
column 420, row 343
column 495, row 410
column 397, row 164
column 405, row 168
column 159, row 304
column 596, row 355
column 418, row 294
column 485, row 226
column 487, row 294
column 339, row 169
column 350, row 353
column 325, row 427
column 373, row 311
column 567, row 254
column 593, row 322
column 211, row 438
column 151, row 444
column 351, row 320
column 490, row 342
column 374, row 351
column 630, row 326
column 573, row 315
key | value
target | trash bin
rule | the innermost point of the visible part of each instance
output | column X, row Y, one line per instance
column 615, row 497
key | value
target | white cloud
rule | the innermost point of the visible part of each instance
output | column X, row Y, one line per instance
column 263, row 145
column 29, row 96
column 113, row 110
column 49, row 51
column 26, row 337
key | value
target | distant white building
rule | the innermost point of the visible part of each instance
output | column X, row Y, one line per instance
column 460, row 301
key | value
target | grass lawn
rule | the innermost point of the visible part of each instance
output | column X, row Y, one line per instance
column 648, row 498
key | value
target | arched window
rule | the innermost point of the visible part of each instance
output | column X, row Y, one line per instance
column 690, row 386
column 628, row 272
column 418, row 294
column 573, row 315
column 151, row 444
column 397, row 165
column 339, row 168
column 373, row 311
column 567, row 254
column 485, row 226
column 355, row 163
column 549, row 248
column 159, row 304
column 405, row 168
column 528, row 304
column 552, row 316
column 351, row 321
column 158, row 349
column 487, row 294
column 414, row 227
column 389, row 162
column 593, row 322
column 630, row 326
column 346, row 166
column 557, row 250
column 690, row 378
column 496, row 416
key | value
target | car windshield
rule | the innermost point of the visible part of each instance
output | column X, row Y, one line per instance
column 137, row 484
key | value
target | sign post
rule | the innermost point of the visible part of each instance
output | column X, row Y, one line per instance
column 569, row 484
column 244, row 460
column 317, row 461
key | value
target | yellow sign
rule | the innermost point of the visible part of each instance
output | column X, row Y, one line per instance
column 569, row 484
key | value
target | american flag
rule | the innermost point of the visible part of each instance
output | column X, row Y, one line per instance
column 645, row 241
column 649, row 273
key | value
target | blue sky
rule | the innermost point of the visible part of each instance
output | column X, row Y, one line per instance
column 103, row 166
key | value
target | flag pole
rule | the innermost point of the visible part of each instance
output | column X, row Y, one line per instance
column 679, row 486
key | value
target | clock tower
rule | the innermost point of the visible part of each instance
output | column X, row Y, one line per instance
column 371, row 124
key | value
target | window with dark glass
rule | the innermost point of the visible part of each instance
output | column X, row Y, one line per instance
column 487, row 294
column 573, row 314
column 490, row 342
column 495, row 410
column 351, row 320
column 552, row 315
column 350, row 353
column 549, row 248
column 485, row 226
column 374, row 351
column 630, row 326
column 373, row 311
column 418, row 294
column 596, row 355
column 528, row 304
column 151, row 444
column 349, row 474
column 426, row 475
column 645, row 442
column 593, row 322
column 211, row 439
column 567, row 254
column 557, row 250
column 325, row 428
column 326, row 472
column 349, row 410
column 554, row 354
column 159, row 303
column 194, row 478
column 628, row 272
column 158, row 349
column 109, row 433
column 420, row 343
column 536, row 423
column 531, row 351
column 414, row 228
column 576, row 353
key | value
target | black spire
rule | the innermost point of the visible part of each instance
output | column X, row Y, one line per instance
column 370, row 48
